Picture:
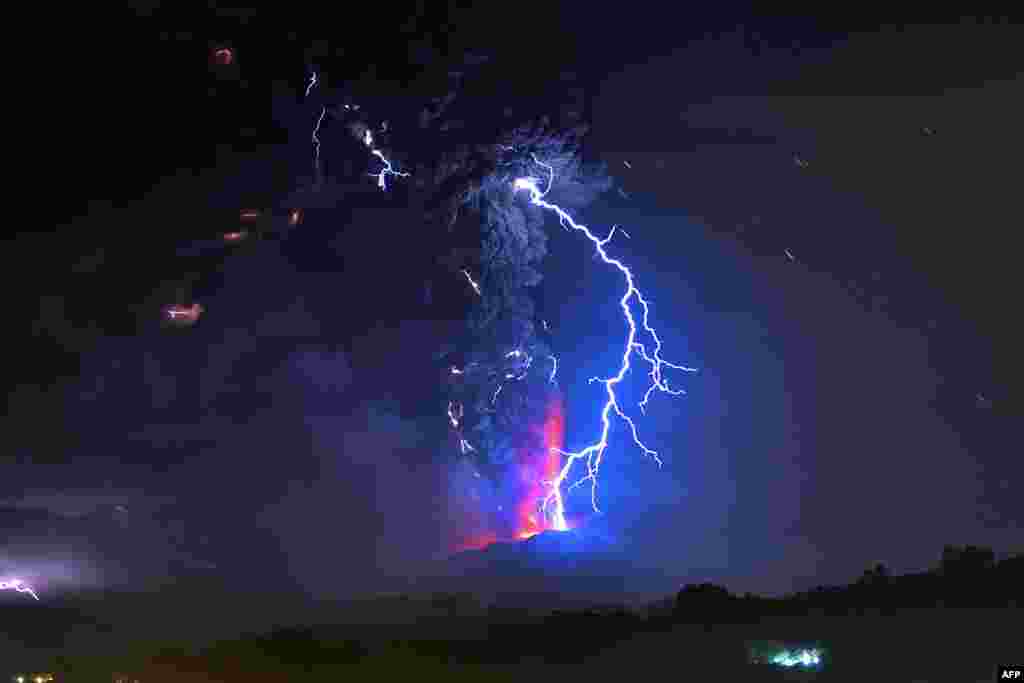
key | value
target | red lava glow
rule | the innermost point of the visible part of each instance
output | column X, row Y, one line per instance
column 478, row 542
column 234, row 236
column 249, row 215
column 541, row 467
column 295, row 217
column 535, row 466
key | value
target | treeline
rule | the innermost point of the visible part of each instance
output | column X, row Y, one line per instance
column 966, row 576
column 457, row 633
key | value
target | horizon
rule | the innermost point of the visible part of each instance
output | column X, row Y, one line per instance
column 728, row 301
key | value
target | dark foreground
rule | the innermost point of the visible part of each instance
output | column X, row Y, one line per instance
column 956, row 645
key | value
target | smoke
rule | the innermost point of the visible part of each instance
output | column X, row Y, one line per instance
column 500, row 384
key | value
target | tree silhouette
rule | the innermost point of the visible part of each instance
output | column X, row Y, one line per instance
column 877, row 575
column 966, row 561
column 704, row 603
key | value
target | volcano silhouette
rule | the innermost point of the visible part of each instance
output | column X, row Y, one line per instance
column 552, row 569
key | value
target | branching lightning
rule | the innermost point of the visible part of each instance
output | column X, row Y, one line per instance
column 593, row 454
column 455, row 413
column 19, row 586
column 387, row 170
column 521, row 362
column 649, row 350
column 367, row 140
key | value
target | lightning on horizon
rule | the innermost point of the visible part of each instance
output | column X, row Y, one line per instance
column 18, row 586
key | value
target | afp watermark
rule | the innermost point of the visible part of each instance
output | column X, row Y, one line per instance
column 1005, row 672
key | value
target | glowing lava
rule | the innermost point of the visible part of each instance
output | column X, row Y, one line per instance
column 541, row 468
column 478, row 542
column 537, row 465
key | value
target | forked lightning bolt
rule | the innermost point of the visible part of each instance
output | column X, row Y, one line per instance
column 367, row 140
column 592, row 454
column 19, row 586
column 387, row 170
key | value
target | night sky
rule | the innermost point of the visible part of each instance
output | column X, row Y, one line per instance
column 822, row 217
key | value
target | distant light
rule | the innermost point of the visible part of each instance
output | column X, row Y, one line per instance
column 801, row 657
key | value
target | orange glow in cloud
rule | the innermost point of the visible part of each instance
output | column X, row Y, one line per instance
column 223, row 56
column 535, row 466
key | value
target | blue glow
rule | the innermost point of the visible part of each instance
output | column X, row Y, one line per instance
column 593, row 453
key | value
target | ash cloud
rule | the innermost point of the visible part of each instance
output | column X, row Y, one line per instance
column 475, row 226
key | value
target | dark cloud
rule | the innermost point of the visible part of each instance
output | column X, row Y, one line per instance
column 376, row 514
column 295, row 438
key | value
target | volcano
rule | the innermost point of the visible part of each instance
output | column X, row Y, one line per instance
column 579, row 567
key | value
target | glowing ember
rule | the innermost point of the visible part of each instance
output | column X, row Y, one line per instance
column 185, row 315
column 478, row 542
column 223, row 56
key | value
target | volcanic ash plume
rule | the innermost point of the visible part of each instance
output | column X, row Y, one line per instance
column 504, row 405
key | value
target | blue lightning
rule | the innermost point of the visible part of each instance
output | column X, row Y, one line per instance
column 554, row 368
column 387, row 170
column 593, row 454
column 367, row 140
